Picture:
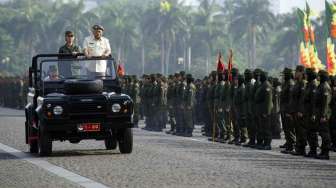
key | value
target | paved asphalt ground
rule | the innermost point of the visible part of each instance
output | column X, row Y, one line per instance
column 158, row 160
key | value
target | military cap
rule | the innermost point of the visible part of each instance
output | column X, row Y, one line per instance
column 299, row 68
column 241, row 79
column 287, row 71
column 68, row 33
column 98, row 27
column 263, row 76
column 189, row 78
column 182, row 73
column 323, row 75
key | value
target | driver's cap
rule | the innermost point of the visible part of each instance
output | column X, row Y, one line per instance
column 98, row 27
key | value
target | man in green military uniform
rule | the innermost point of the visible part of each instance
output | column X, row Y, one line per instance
column 250, row 111
column 188, row 106
column 170, row 103
column 211, row 104
column 240, row 103
column 323, row 96
column 309, row 113
column 69, row 47
column 297, row 104
column 179, row 92
column 264, row 101
column 276, row 117
column 333, row 114
column 219, row 106
column 134, row 94
column 286, row 109
column 233, row 114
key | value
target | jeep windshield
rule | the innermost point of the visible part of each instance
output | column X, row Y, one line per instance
column 89, row 69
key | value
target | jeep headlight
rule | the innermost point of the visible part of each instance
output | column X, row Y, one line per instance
column 58, row 110
column 116, row 107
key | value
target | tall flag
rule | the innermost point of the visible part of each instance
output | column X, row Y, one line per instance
column 308, row 52
column 331, row 25
column 220, row 64
column 230, row 65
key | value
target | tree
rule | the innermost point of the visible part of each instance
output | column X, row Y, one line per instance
column 252, row 20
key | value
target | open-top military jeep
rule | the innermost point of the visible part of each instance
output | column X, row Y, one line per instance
column 69, row 99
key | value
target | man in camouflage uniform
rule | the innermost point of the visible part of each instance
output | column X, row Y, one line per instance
column 264, row 101
column 323, row 96
column 297, row 104
column 309, row 113
column 286, row 109
column 188, row 105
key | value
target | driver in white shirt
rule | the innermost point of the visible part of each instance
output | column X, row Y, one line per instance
column 97, row 46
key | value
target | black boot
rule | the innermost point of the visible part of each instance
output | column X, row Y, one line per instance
column 283, row 146
column 287, row 150
column 312, row 153
column 299, row 151
column 324, row 155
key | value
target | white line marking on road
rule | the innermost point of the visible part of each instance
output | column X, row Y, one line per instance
column 61, row 172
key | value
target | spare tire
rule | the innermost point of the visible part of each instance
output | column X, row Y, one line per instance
column 74, row 87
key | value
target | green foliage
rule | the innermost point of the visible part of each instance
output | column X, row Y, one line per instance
column 258, row 38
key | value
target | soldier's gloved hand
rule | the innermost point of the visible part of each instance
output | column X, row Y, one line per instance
column 288, row 115
column 220, row 110
column 189, row 107
column 264, row 115
column 227, row 110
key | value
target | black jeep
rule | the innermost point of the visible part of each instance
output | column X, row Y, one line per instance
column 74, row 98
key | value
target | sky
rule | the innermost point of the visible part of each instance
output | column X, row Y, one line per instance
column 288, row 5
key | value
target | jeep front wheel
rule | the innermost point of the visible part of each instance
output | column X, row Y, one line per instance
column 110, row 142
column 125, row 140
column 44, row 141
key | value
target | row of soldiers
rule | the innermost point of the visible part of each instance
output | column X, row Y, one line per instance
column 13, row 92
column 246, row 108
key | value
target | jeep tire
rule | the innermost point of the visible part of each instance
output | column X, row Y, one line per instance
column 110, row 142
column 44, row 141
column 125, row 140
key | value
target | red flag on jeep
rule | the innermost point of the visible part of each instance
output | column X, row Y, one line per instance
column 120, row 70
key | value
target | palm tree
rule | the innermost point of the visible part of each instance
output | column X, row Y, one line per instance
column 287, row 42
column 251, row 20
column 209, row 26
